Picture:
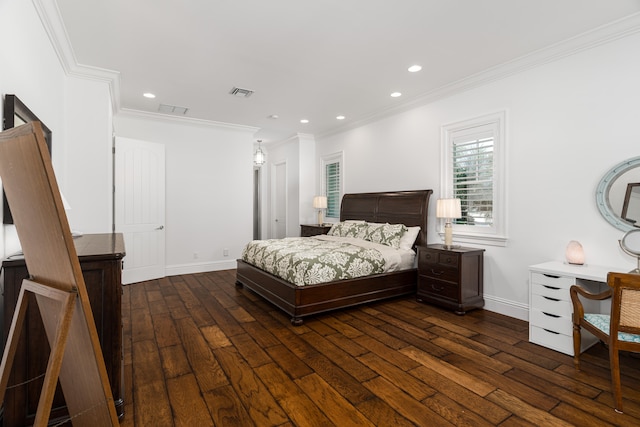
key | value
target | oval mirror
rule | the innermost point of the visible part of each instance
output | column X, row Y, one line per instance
column 618, row 195
column 630, row 243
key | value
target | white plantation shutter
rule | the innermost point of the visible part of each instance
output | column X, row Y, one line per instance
column 473, row 179
column 332, row 171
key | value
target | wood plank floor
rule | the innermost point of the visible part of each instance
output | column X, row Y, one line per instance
column 200, row 352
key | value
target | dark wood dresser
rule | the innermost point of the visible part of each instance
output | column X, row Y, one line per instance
column 100, row 257
column 451, row 278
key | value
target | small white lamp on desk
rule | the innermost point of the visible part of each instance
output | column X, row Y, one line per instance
column 320, row 202
column 448, row 209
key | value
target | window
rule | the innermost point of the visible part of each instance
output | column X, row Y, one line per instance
column 332, row 183
column 473, row 171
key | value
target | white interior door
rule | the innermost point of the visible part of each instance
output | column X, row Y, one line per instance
column 279, row 201
column 140, row 207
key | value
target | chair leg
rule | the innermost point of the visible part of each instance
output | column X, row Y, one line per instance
column 577, row 343
column 614, row 360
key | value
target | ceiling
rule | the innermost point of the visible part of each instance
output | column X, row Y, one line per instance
column 312, row 60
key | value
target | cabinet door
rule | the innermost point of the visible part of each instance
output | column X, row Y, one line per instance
column 103, row 284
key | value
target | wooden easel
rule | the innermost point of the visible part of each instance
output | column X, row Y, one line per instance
column 56, row 282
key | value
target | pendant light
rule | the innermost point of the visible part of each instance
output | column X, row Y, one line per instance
column 258, row 156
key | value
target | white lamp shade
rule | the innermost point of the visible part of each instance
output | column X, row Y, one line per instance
column 320, row 202
column 448, row 208
column 258, row 157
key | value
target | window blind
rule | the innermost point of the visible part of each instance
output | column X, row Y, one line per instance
column 332, row 186
column 473, row 179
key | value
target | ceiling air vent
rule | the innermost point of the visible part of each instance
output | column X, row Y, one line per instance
column 239, row 92
column 172, row 109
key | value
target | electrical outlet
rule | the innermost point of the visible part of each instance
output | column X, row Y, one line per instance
column 195, row 255
column 225, row 252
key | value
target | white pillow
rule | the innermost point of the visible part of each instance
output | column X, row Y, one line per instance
column 409, row 238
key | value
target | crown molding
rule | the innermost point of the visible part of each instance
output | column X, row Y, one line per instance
column 126, row 112
column 51, row 19
column 616, row 30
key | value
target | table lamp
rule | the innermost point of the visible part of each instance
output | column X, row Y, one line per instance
column 320, row 202
column 448, row 209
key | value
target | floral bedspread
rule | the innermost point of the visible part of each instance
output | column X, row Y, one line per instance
column 308, row 261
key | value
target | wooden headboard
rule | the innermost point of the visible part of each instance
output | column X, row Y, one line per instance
column 397, row 207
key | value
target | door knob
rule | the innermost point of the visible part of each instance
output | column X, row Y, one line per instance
column 160, row 228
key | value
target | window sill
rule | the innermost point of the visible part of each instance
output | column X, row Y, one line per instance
column 500, row 241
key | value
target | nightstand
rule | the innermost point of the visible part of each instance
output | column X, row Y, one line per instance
column 307, row 230
column 451, row 278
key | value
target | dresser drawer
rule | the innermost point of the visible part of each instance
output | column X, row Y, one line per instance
column 552, row 322
column 437, row 288
column 551, row 292
column 551, row 339
column 560, row 282
column 551, row 305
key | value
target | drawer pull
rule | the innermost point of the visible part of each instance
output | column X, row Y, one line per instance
column 437, row 288
column 550, row 315
column 551, row 299
column 551, row 275
column 436, row 273
column 551, row 287
column 552, row 332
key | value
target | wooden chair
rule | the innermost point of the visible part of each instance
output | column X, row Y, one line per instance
column 620, row 330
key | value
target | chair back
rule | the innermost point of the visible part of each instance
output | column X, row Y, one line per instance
column 625, row 303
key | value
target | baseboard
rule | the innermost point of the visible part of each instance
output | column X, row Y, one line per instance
column 202, row 267
column 506, row 307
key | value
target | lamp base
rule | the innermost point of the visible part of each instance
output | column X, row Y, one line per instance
column 320, row 217
column 449, row 247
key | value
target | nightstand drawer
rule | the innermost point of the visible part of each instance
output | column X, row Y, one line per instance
column 308, row 230
column 428, row 258
column 438, row 288
column 437, row 272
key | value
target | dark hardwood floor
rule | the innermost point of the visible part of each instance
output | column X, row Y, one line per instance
column 200, row 352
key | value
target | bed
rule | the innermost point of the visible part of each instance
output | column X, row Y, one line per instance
column 401, row 207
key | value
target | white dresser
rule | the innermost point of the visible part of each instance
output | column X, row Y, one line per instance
column 550, row 307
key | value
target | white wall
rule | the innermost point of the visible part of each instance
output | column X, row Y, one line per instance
column 568, row 122
column 76, row 110
column 298, row 152
column 209, row 188
column 88, row 171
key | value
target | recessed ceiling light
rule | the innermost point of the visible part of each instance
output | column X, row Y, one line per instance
column 396, row 94
column 148, row 95
column 340, row 117
column 414, row 68
column 304, row 121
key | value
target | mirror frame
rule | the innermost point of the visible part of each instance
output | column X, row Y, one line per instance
column 623, row 242
column 602, row 194
column 13, row 108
